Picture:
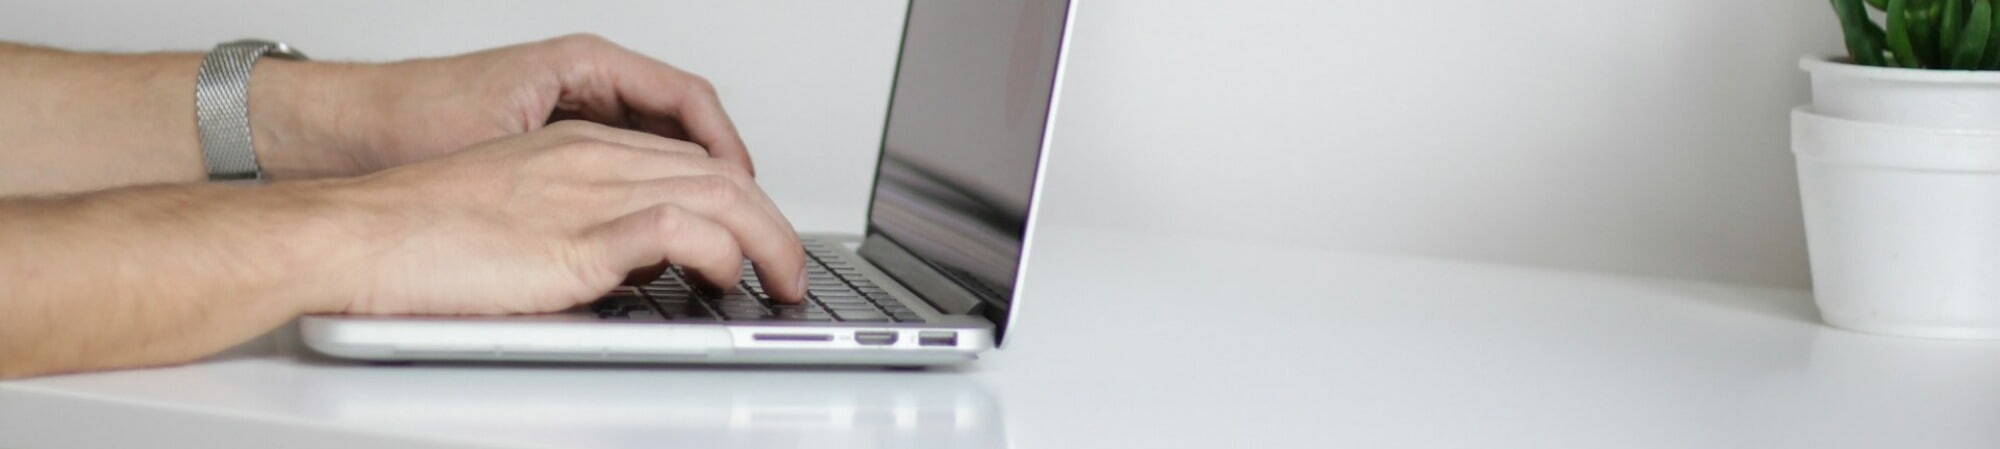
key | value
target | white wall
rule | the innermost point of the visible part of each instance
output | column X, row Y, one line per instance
column 1636, row 137
column 1629, row 136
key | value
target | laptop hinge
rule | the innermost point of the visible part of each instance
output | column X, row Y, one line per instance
column 917, row 275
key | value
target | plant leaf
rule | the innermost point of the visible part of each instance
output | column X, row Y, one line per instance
column 1978, row 31
column 1880, row 5
column 1949, row 22
column 1991, row 60
column 1899, row 35
column 1923, row 22
column 1865, row 41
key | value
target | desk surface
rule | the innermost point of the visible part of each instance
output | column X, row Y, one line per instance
column 1144, row 342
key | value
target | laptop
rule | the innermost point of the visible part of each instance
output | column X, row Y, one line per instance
column 934, row 279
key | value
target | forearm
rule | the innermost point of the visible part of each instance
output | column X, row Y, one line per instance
column 161, row 274
column 77, row 122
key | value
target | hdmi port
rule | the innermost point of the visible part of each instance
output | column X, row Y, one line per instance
column 875, row 338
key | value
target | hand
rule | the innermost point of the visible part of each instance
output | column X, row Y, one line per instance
column 550, row 219
column 330, row 119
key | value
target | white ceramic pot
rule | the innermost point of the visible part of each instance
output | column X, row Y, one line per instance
column 1902, row 221
column 1953, row 99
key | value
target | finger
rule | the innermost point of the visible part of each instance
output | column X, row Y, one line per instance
column 645, row 275
column 664, row 127
column 594, row 105
column 622, row 163
column 626, row 137
column 654, row 91
column 672, row 234
column 645, row 193
column 765, row 238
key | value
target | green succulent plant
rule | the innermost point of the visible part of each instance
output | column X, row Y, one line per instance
column 1922, row 34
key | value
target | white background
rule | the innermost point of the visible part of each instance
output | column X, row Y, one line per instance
column 1631, row 137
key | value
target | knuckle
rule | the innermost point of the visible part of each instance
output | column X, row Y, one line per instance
column 701, row 85
column 575, row 128
column 669, row 220
column 582, row 40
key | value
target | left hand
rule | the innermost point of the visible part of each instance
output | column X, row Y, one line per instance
column 317, row 119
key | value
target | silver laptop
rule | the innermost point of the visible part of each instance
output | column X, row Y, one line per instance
column 933, row 281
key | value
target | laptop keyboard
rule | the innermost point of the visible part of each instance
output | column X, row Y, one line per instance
column 836, row 292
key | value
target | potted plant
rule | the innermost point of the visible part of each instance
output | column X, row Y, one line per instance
column 1899, row 169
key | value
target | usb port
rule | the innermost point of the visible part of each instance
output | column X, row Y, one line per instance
column 937, row 338
column 875, row 338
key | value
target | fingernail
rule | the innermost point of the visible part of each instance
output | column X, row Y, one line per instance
column 802, row 285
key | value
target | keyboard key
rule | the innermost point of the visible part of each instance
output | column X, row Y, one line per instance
column 866, row 316
column 831, row 300
column 908, row 317
column 679, row 296
column 801, row 315
column 667, row 281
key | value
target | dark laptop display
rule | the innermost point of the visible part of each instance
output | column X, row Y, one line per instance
column 971, row 97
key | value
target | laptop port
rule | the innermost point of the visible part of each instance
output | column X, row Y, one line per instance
column 875, row 338
column 937, row 338
column 760, row 336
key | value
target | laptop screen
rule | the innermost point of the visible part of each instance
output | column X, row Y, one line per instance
column 966, row 116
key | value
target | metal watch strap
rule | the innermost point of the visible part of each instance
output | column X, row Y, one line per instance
column 222, row 106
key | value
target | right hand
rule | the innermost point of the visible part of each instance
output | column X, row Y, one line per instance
column 552, row 218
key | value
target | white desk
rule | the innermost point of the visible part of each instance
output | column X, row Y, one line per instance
column 1145, row 342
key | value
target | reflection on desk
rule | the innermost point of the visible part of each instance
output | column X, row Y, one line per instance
column 326, row 402
column 705, row 408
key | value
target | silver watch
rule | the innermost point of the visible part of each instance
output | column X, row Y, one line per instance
column 222, row 106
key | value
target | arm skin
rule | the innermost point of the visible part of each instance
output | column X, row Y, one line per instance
column 151, row 275
column 80, row 121
column 113, row 254
column 77, row 122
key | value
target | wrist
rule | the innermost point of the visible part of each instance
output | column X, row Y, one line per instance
column 332, row 228
column 300, row 115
